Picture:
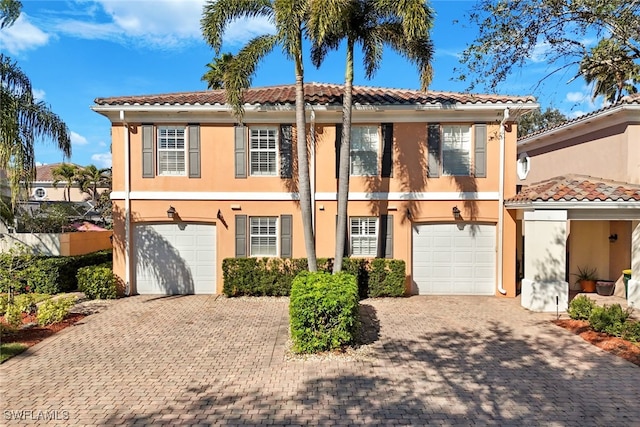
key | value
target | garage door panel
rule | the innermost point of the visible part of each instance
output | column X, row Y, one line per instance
column 175, row 258
column 448, row 260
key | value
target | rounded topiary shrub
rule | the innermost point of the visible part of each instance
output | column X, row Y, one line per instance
column 97, row 282
column 323, row 311
column 580, row 307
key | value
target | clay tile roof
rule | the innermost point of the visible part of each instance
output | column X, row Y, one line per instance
column 316, row 93
column 44, row 174
column 577, row 188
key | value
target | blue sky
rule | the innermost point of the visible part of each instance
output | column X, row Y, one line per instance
column 76, row 51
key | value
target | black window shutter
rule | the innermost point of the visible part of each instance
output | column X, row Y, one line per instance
column 241, row 151
column 385, row 237
column 387, row 150
column 148, row 169
column 194, row 151
column 286, row 165
column 338, row 142
column 433, row 143
column 286, row 242
column 241, row 236
column 480, row 157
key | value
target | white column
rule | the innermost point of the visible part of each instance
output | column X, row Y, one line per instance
column 633, row 295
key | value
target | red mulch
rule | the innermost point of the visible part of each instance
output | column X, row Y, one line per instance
column 32, row 335
column 621, row 348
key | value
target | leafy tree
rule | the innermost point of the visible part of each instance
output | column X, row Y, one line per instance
column 23, row 120
column 511, row 32
column 67, row 173
column 217, row 68
column 289, row 17
column 404, row 26
column 537, row 120
column 90, row 179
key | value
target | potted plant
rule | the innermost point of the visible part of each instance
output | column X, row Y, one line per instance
column 605, row 287
column 587, row 278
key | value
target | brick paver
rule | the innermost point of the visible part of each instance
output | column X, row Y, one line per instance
column 204, row 360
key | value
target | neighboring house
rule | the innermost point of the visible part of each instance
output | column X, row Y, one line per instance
column 192, row 187
column 42, row 188
column 580, row 204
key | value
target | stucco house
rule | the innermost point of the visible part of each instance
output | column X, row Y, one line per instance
column 580, row 204
column 191, row 186
column 42, row 188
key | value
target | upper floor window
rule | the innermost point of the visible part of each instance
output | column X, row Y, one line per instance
column 263, row 236
column 364, row 150
column 171, row 150
column 456, row 150
column 263, row 148
column 364, row 236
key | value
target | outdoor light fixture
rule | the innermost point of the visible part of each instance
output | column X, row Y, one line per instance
column 171, row 212
column 456, row 212
column 613, row 237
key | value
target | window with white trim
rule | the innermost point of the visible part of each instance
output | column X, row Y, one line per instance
column 365, row 143
column 263, row 148
column 456, row 150
column 171, row 150
column 39, row 193
column 363, row 236
column 263, row 236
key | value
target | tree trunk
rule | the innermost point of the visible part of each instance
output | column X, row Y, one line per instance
column 345, row 153
column 304, row 182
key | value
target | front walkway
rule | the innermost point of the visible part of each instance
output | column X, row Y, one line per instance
column 206, row 360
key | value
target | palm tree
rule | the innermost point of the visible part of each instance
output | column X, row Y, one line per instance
column 404, row 26
column 217, row 68
column 22, row 118
column 91, row 178
column 67, row 173
column 289, row 17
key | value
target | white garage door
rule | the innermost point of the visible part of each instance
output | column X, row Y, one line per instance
column 175, row 258
column 448, row 260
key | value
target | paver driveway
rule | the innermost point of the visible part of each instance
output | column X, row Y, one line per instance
column 202, row 360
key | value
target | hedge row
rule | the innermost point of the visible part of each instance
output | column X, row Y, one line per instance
column 97, row 281
column 610, row 319
column 44, row 274
column 274, row 276
column 323, row 311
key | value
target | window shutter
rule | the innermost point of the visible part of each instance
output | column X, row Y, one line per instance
column 480, row 158
column 194, row 151
column 241, row 151
column 241, row 236
column 148, row 169
column 286, row 229
column 433, row 142
column 385, row 237
column 387, row 150
column 286, row 165
column 338, row 142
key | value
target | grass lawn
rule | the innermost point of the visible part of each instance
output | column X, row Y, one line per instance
column 7, row 351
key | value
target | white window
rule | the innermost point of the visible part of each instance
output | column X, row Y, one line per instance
column 364, row 150
column 264, row 150
column 456, row 150
column 524, row 164
column 263, row 236
column 171, row 150
column 39, row 193
column 364, row 236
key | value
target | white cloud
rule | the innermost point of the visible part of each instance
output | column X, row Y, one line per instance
column 577, row 97
column 102, row 159
column 576, row 113
column 39, row 94
column 77, row 139
column 22, row 35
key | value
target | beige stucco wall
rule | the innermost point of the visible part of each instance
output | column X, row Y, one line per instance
column 589, row 247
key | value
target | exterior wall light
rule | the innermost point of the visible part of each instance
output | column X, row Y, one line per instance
column 171, row 212
column 613, row 237
column 456, row 212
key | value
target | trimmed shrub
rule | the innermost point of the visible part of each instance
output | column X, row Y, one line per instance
column 609, row 319
column 631, row 331
column 26, row 303
column 323, row 311
column 580, row 307
column 54, row 310
column 13, row 315
column 97, row 281
column 386, row 278
column 4, row 303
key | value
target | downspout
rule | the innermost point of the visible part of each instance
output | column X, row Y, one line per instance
column 312, row 171
column 127, row 209
column 501, row 288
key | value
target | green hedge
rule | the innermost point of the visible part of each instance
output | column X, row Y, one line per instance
column 323, row 311
column 97, row 281
column 274, row 276
column 52, row 275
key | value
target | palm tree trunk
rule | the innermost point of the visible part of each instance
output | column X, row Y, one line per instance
column 345, row 152
column 304, row 182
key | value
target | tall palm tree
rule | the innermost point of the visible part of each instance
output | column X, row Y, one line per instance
column 217, row 69
column 22, row 118
column 67, row 173
column 404, row 26
column 90, row 178
column 289, row 17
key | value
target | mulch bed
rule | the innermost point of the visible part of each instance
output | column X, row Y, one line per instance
column 31, row 335
column 614, row 345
